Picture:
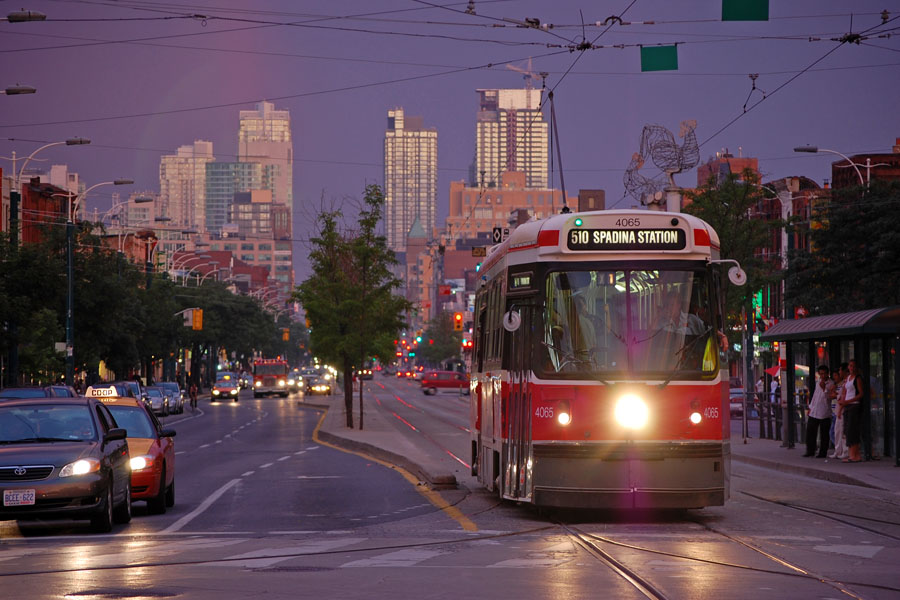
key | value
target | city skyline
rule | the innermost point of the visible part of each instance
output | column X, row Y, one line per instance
column 344, row 73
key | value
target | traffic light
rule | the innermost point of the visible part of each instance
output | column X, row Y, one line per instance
column 197, row 324
column 285, row 334
column 418, row 338
column 457, row 321
column 412, row 354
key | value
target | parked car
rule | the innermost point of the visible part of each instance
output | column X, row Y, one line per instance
column 157, row 401
column 152, row 451
column 226, row 386
column 736, row 401
column 435, row 381
column 43, row 391
column 176, row 395
column 63, row 458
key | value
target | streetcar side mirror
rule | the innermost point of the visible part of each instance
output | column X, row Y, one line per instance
column 737, row 276
column 511, row 321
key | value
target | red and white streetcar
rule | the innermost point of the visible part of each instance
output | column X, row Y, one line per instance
column 598, row 374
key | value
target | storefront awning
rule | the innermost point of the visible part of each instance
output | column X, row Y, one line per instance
column 869, row 322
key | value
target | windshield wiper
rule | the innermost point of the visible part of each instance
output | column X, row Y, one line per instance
column 684, row 352
column 571, row 358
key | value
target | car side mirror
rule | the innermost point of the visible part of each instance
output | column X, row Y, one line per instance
column 167, row 433
column 116, row 433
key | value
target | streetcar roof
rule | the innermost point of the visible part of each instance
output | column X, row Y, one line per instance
column 545, row 237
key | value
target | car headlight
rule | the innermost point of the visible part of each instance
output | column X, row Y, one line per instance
column 291, row 382
column 215, row 392
column 234, row 391
column 257, row 383
column 139, row 463
column 631, row 412
column 82, row 466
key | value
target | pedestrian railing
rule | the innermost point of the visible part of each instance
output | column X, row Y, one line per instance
column 765, row 418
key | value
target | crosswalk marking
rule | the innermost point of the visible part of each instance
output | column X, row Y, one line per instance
column 401, row 558
column 267, row 557
column 851, row 550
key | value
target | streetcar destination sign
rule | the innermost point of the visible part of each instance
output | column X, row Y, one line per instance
column 626, row 239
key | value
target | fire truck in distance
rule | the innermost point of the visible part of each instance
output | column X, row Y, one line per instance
column 270, row 377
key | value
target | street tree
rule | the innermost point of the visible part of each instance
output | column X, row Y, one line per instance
column 349, row 298
column 439, row 341
column 728, row 207
column 852, row 261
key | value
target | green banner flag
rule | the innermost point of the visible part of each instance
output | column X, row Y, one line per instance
column 745, row 10
column 659, row 58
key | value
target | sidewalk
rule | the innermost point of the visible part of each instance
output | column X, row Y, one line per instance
column 877, row 474
column 384, row 440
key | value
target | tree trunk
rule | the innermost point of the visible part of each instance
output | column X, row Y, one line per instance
column 360, row 401
column 348, row 391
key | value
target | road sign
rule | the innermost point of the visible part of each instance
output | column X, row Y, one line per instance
column 497, row 235
column 479, row 251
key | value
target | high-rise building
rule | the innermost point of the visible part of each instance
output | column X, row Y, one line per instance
column 410, row 177
column 264, row 137
column 511, row 134
column 182, row 185
column 223, row 181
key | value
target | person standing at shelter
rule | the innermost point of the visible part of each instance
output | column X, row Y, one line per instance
column 840, row 444
column 850, row 406
column 818, row 418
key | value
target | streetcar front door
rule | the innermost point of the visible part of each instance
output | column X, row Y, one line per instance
column 517, row 482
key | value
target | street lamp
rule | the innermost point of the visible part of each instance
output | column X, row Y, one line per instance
column 211, row 263
column 14, row 197
column 74, row 199
column 15, row 90
column 212, row 272
column 23, row 16
column 816, row 149
column 180, row 262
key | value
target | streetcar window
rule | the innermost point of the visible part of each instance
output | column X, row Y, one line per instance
column 629, row 321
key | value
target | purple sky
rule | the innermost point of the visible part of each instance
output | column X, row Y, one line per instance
column 848, row 101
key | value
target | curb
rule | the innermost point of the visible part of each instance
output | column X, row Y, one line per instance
column 436, row 481
column 805, row 471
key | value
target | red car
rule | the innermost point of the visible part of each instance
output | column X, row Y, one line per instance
column 152, row 452
column 435, row 381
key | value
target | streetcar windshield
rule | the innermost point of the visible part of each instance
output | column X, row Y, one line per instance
column 628, row 322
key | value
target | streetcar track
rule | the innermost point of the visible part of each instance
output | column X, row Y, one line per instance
column 828, row 514
column 619, row 568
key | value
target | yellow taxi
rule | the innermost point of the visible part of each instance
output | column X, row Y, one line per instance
column 151, row 447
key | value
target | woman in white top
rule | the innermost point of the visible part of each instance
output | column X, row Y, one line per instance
column 850, row 407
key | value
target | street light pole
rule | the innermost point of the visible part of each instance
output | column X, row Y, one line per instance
column 73, row 201
column 816, row 149
column 14, row 198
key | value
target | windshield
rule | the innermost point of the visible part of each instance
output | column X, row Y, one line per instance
column 134, row 420
column 46, row 422
column 598, row 323
column 272, row 369
column 23, row 393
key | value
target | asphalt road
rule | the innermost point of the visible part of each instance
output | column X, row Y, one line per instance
column 262, row 510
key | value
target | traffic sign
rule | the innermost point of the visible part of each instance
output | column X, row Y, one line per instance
column 497, row 235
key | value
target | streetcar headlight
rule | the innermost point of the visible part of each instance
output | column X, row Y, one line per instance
column 631, row 412
column 564, row 415
column 696, row 418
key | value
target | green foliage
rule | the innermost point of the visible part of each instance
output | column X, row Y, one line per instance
column 726, row 208
column 853, row 259
column 447, row 342
column 349, row 299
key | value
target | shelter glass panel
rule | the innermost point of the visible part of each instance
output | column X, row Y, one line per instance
column 876, row 396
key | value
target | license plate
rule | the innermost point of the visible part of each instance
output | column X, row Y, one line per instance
column 18, row 497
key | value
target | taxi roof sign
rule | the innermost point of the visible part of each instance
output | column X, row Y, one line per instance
column 102, row 391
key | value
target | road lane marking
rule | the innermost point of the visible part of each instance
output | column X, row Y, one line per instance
column 320, row 476
column 432, row 496
column 283, row 458
column 180, row 452
column 200, row 509
column 248, row 473
column 401, row 558
column 300, row 452
column 218, row 441
column 266, row 466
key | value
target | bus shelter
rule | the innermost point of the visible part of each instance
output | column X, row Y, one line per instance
column 872, row 338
